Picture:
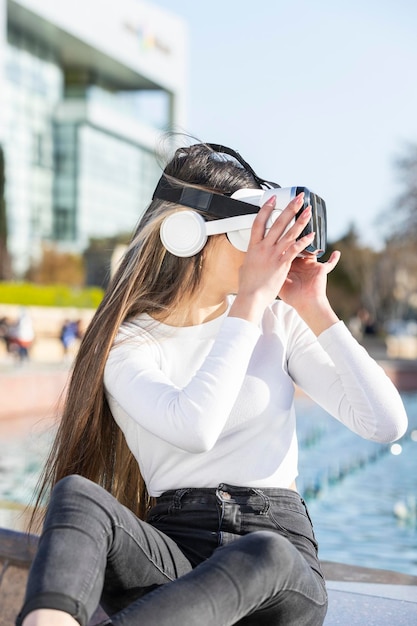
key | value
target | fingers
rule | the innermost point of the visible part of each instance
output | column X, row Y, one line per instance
column 259, row 225
column 286, row 227
column 332, row 261
column 328, row 265
column 283, row 224
column 294, row 247
column 288, row 241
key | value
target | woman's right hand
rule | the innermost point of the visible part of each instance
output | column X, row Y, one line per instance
column 269, row 258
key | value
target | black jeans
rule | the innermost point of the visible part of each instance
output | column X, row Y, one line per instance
column 233, row 555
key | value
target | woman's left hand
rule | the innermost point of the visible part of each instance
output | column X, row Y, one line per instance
column 305, row 290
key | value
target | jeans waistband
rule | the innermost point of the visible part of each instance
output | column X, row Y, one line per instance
column 232, row 491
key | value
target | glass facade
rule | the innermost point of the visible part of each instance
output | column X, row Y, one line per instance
column 74, row 172
column 113, row 183
column 102, row 184
column 65, row 183
column 34, row 85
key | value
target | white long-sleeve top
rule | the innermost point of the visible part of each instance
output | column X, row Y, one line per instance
column 212, row 403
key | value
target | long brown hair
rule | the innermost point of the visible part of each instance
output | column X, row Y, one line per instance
column 149, row 279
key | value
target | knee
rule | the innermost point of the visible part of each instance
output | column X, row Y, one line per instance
column 270, row 548
column 74, row 493
column 70, row 487
column 75, row 499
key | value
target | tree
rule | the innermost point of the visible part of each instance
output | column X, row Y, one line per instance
column 397, row 267
column 397, row 278
column 351, row 284
column 400, row 219
column 405, row 222
column 98, row 258
column 57, row 267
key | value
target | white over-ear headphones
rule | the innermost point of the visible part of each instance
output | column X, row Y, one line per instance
column 185, row 233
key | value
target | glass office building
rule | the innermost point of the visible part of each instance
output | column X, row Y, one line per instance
column 83, row 105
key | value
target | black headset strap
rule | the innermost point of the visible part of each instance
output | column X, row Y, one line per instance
column 213, row 203
column 217, row 147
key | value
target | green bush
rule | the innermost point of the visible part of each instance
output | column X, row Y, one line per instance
column 29, row 294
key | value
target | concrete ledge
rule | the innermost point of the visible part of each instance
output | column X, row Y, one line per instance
column 369, row 605
column 17, row 548
column 16, row 553
column 353, row 573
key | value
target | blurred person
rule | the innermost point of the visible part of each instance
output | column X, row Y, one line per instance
column 5, row 325
column 174, row 468
column 22, row 335
column 70, row 332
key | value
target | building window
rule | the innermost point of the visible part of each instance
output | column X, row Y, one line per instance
column 64, row 224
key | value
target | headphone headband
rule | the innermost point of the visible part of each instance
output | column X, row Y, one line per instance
column 230, row 152
column 213, row 203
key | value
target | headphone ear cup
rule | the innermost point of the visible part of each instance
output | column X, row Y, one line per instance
column 183, row 233
column 240, row 238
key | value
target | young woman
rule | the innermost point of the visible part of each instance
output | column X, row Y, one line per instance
column 176, row 456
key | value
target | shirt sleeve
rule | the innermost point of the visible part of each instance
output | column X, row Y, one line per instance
column 340, row 375
column 191, row 417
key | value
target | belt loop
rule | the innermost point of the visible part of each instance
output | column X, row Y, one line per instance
column 178, row 497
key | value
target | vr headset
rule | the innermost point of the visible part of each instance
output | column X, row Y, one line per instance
column 185, row 233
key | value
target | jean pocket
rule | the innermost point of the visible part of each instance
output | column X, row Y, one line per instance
column 292, row 521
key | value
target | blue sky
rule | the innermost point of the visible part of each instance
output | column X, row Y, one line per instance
column 320, row 93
